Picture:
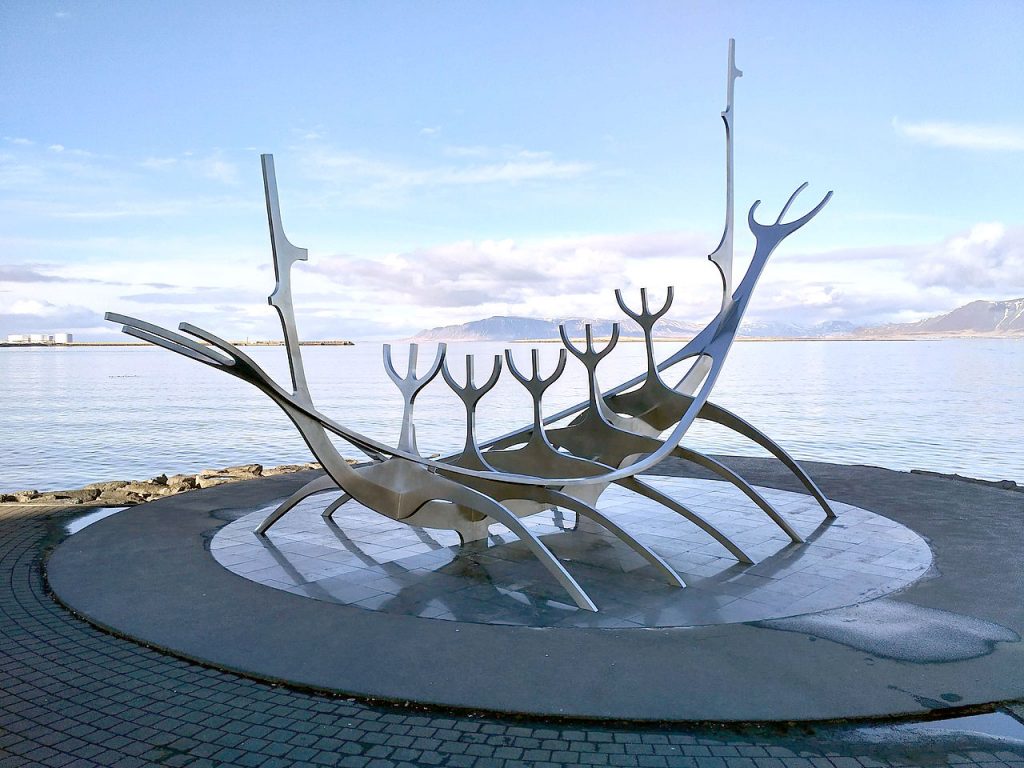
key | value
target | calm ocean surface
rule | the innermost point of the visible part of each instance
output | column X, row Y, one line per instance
column 80, row 415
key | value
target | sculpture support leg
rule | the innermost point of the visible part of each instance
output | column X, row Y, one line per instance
column 723, row 471
column 667, row 572
column 729, row 420
column 638, row 486
column 320, row 485
column 331, row 508
column 487, row 506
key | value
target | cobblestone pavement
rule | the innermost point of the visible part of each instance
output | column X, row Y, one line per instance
column 71, row 695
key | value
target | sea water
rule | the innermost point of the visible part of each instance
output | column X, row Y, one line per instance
column 72, row 416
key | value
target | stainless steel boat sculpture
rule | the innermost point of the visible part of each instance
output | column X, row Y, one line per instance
column 611, row 437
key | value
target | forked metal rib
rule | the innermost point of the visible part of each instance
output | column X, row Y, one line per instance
column 470, row 394
column 410, row 386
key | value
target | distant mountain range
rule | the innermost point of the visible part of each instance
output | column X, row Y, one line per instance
column 502, row 328
column 979, row 318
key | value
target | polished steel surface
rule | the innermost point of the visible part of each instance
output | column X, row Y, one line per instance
column 613, row 437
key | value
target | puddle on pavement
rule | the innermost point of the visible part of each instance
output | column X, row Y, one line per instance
column 74, row 526
column 997, row 724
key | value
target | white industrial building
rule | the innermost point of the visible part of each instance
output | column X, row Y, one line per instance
column 39, row 338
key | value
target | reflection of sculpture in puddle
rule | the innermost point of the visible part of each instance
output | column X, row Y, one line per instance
column 423, row 593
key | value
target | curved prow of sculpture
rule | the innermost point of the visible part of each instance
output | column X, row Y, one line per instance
column 768, row 238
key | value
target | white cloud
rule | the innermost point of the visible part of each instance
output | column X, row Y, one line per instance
column 455, row 150
column 220, row 170
column 29, row 307
column 989, row 257
column 542, row 278
column 501, row 166
column 19, row 140
column 430, row 130
column 963, row 135
column 56, row 147
column 158, row 163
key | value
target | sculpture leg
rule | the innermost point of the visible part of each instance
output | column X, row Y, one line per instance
column 723, row 471
column 485, row 505
column 729, row 420
column 638, row 486
column 667, row 572
column 328, row 513
column 320, row 485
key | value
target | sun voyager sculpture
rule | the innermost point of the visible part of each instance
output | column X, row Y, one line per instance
column 565, row 460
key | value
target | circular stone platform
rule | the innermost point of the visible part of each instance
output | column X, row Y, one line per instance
column 855, row 624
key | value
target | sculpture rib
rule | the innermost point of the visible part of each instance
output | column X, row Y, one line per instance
column 725, row 418
column 725, row 472
column 638, row 486
column 575, row 505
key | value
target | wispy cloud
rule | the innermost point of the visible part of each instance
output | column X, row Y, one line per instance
column 158, row 163
column 976, row 136
column 470, row 166
column 19, row 273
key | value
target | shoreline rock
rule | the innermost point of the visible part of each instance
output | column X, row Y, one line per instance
column 127, row 493
column 1005, row 485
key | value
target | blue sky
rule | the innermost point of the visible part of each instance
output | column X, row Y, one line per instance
column 448, row 161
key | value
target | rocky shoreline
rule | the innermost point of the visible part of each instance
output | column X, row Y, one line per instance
column 126, row 493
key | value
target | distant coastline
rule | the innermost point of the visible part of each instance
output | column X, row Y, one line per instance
column 977, row 336
column 772, row 339
column 325, row 343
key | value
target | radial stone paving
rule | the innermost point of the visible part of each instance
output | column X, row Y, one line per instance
column 363, row 559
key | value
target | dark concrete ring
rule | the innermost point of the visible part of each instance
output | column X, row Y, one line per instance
column 949, row 640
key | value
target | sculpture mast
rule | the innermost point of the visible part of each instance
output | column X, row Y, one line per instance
column 722, row 255
column 285, row 254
